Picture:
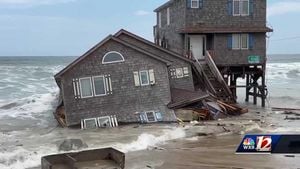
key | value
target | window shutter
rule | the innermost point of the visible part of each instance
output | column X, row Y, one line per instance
column 136, row 78
column 230, row 7
column 251, row 41
column 151, row 76
column 200, row 4
column 75, row 89
column 158, row 116
column 251, row 7
column 229, row 41
column 189, row 3
column 108, row 84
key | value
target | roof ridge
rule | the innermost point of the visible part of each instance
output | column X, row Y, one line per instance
column 152, row 44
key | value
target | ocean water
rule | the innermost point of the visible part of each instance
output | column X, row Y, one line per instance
column 28, row 96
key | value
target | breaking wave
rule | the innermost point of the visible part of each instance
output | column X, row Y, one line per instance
column 283, row 70
column 145, row 140
column 22, row 158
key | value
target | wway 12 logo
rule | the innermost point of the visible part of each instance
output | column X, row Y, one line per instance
column 264, row 143
column 256, row 144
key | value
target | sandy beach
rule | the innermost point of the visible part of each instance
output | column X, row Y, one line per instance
column 217, row 149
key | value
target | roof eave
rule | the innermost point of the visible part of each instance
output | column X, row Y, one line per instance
column 163, row 6
column 59, row 74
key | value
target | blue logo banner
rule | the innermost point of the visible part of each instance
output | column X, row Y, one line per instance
column 258, row 143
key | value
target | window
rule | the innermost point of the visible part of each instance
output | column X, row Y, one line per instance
column 99, row 86
column 179, row 73
column 194, row 3
column 236, row 41
column 89, row 123
column 86, row 87
column 244, row 7
column 168, row 16
column 150, row 116
column 158, row 116
column 240, row 41
column 144, row 78
column 92, row 86
column 241, row 7
column 244, row 41
column 236, row 7
column 112, row 57
column 104, row 122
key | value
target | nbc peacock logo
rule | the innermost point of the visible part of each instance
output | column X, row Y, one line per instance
column 248, row 144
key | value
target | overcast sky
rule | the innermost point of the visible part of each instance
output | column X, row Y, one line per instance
column 71, row 27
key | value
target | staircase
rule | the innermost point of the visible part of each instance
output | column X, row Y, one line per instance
column 213, row 79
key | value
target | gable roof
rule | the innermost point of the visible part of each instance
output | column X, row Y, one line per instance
column 97, row 46
column 164, row 5
column 147, row 42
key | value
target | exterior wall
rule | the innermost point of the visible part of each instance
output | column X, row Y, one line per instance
column 215, row 13
column 127, row 99
column 177, row 21
column 183, row 83
column 225, row 56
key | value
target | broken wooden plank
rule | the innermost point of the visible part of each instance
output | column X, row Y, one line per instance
column 227, row 105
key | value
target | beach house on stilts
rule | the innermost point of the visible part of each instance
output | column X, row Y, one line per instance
column 200, row 49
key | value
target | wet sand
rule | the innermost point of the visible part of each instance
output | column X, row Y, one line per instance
column 206, row 153
column 217, row 150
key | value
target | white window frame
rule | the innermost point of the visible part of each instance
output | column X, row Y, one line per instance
column 198, row 4
column 154, row 115
column 90, row 119
column 240, row 8
column 118, row 61
column 140, row 75
column 177, row 74
column 233, row 42
column 240, row 41
column 168, row 16
column 104, row 83
column 104, row 117
column 241, row 44
column 81, row 87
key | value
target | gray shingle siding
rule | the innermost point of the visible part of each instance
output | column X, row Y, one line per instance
column 225, row 56
column 214, row 13
column 127, row 99
column 183, row 83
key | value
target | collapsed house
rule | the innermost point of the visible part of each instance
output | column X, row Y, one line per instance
column 194, row 63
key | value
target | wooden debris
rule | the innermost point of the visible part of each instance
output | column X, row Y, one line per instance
column 285, row 109
column 60, row 116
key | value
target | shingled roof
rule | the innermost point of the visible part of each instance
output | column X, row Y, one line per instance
column 110, row 37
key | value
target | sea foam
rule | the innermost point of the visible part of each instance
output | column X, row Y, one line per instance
column 146, row 140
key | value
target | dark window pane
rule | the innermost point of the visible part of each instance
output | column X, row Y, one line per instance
column 99, row 86
column 144, row 78
column 150, row 116
column 112, row 57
